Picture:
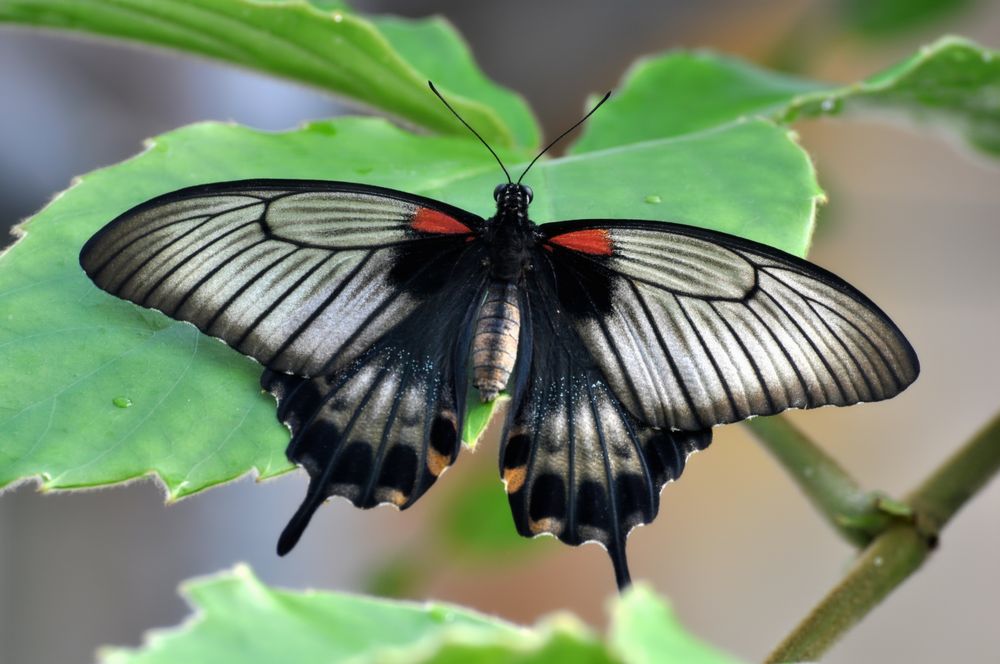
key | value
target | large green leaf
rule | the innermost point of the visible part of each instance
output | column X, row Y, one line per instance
column 94, row 390
column 382, row 63
column 953, row 82
column 239, row 619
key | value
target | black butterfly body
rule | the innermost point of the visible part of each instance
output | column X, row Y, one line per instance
column 620, row 343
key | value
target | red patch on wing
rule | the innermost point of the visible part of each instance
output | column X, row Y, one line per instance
column 427, row 220
column 596, row 241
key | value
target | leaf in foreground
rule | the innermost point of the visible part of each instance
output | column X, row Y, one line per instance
column 643, row 628
column 238, row 618
column 96, row 390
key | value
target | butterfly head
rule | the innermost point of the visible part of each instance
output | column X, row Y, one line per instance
column 512, row 199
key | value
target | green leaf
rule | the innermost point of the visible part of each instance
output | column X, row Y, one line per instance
column 559, row 639
column 240, row 619
column 72, row 355
column 684, row 92
column 879, row 18
column 434, row 48
column 478, row 416
column 383, row 63
column 953, row 82
column 645, row 631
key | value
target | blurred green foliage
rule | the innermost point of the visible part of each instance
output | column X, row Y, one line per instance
column 881, row 18
column 239, row 619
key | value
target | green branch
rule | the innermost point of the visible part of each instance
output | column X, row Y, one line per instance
column 858, row 515
column 897, row 552
column 958, row 479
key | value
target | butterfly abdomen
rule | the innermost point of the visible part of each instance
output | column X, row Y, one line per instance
column 494, row 347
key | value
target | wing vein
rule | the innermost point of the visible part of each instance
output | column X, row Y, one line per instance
column 624, row 370
column 182, row 262
column 145, row 234
column 711, row 358
column 318, row 311
column 765, row 390
column 240, row 291
column 379, row 458
column 617, row 544
column 816, row 351
column 681, row 385
column 277, row 302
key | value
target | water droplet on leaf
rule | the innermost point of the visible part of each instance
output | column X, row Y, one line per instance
column 122, row 402
column 653, row 198
column 831, row 105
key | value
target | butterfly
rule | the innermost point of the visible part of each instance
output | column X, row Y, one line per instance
column 377, row 312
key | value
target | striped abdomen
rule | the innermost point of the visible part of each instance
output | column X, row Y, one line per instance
column 494, row 348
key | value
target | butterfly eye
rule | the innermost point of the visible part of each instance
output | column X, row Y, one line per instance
column 528, row 193
column 499, row 190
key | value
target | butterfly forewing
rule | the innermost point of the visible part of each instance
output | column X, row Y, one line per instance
column 693, row 328
column 302, row 276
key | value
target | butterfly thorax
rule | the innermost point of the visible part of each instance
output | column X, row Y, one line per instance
column 510, row 233
column 498, row 325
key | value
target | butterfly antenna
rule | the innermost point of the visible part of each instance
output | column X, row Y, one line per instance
column 469, row 127
column 562, row 135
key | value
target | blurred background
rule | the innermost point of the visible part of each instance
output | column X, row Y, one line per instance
column 913, row 221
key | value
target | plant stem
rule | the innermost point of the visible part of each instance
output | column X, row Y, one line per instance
column 897, row 552
column 894, row 555
column 858, row 515
column 959, row 478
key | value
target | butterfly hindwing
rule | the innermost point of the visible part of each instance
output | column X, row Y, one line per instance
column 575, row 462
column 301, row 275
column 693, row 328
column 385, row 426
